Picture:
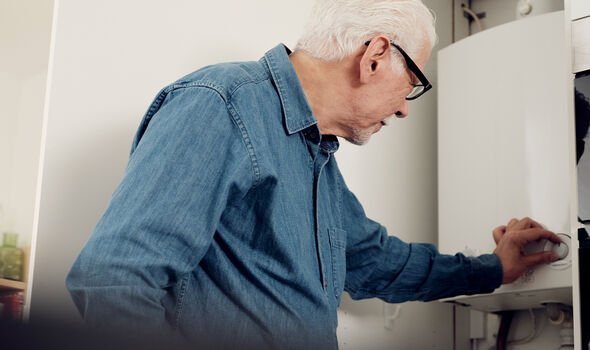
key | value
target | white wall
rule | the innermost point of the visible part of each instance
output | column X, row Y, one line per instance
column 24, row 43
column 7, row 124
column 579, row 9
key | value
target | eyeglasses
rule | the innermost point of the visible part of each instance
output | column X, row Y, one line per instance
column 420, row 88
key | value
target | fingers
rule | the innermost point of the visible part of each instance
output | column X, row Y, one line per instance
column 523, row 231
column 535, row 234
column 498, row 233
column 512, row 222
column 539, row 258
column 523, row 224
column 510, row 242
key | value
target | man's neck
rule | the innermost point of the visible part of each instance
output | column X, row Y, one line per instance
column 326, row 88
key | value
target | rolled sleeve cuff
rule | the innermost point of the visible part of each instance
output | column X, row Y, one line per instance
column 486, row 273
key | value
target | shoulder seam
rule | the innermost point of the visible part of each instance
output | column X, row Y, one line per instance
column 202, row 84
column 246, row 82
column 232, row 113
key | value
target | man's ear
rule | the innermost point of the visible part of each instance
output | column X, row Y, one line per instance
column 377, row 53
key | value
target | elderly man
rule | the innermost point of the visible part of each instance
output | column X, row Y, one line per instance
column 233, row 225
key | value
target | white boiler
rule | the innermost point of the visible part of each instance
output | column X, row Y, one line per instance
column 506, row 150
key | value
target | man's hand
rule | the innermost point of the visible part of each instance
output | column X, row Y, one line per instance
column 510, row 241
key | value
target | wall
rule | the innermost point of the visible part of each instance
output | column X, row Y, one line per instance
column 24, row 43
column 7, row 123
column 579, row 9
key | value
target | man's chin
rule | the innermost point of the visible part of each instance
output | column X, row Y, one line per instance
column 362, row 136
column 357, row 142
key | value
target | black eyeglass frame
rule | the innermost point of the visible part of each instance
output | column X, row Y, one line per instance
column 413, row 68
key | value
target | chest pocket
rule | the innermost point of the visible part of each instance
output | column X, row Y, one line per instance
column 338, row 256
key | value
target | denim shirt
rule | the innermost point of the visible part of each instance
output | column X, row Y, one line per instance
column 233, row 224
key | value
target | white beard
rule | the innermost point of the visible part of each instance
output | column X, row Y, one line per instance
column 361, row 136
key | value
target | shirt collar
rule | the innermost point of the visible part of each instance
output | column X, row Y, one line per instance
column 296, row 110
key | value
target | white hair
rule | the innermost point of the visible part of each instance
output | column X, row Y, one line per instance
column 338, row 28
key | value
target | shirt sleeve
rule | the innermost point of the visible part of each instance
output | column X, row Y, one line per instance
column 188, row 160
column 383, row 266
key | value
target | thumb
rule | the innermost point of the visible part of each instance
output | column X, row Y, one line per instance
column 540, row 258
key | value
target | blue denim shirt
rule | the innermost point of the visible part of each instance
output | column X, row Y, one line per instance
column 233, row 224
